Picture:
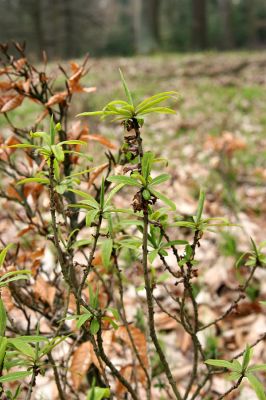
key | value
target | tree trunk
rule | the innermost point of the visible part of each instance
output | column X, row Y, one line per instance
column 199, row 24
column 146, row 25
column 225, row 11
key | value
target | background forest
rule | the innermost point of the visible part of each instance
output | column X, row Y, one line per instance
column 67, row 28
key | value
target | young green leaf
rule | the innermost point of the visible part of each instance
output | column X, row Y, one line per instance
column 164, row 199
column 44, row 181
column 58, row 152
column 146, row 164
column 3, row 346
column 23, row 347
column 220, row 363
column 86, row 196
column 94, row 326
column 4, row 253
column 200, row 206
column 126, row 180
column 90, row 217
column 127, row 92
column 3, row 318
column 14, row 376
column 98, row 393
column 257, row 386
column 159, row 179
column 246, row 357
column 107, row 247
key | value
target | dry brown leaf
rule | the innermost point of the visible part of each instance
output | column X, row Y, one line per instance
column 12, row 192
column 82, row 359
column 101, row 139
column 6, row 85
column 128, row 372
column 13, row 103
column 7, row 298
column 44, row 291
column 138, row 338
column 96, row 173
column 25, row 230
column 57, row 99
column 20, row 63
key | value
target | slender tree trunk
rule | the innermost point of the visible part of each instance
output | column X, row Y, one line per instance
column 146, row 25
column 225, row 11
column 199, row 24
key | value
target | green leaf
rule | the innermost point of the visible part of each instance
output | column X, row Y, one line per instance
column 12, row 273
column 90, row 113
column 113, row 192
column 146, row 164
column 174, row 243
column 42, row 135
column 152, row 255
column 15, row 278
column 258, row 367
column 44, row 181
column 3, row 318
column 102, row 195
column 33, row 339
column 237, row 367
column 151, row 103
column 238, row 263
column 97, row 393
column 90, row 217
column 220, row 363
column 94, row 326
column 164, row 199
column 82, row 319
column 159, row 179
column 52, row 130
column 233, row 376
column 90, row 200
column 200, row 206
column 115, row 312
column 156, row 97
column 14, row 376
column 257, row 386
column 107, row 247
column 3, row 346
column 246, row 357
column 23, row 347
column 128, row 94
column 160, row 110
column 126, row 180
column 4, row 253
column 58, row 152
column 72, row 142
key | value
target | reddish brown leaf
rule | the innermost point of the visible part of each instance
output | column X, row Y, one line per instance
column 6, row 85
column 11, row 192
column 25, row 230
column 138, row 338
column 57, row 99
column 96, row 173
column 82, row 359
column 19, row 64
column 13, row 103
column 128, row 373
column 44, row 291
column 101, row 139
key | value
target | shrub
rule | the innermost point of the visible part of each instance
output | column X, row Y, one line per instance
column 77, row 306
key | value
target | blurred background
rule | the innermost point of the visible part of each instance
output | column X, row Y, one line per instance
column 67, row 28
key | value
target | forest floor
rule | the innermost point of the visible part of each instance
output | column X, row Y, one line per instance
column 217, row 141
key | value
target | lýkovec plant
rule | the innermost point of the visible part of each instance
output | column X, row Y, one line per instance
column 148, row 230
